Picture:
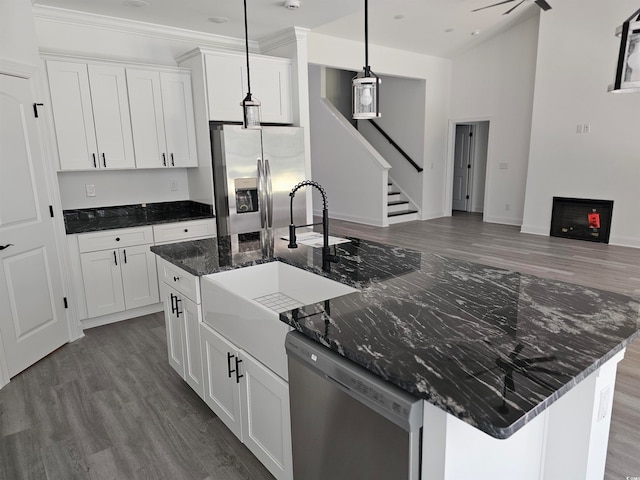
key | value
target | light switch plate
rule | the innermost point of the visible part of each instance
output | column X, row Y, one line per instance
column 90, row 190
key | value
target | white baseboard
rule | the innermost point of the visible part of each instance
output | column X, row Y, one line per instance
column 622, row 241
column 120, row 316
column 503, row 220
column 376, row 222
column 535, row 230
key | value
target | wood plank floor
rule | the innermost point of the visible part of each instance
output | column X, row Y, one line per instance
column 109, row 406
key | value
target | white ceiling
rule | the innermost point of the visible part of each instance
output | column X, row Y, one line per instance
column 422, row 27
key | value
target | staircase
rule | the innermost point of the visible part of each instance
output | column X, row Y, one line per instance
column 400, row 209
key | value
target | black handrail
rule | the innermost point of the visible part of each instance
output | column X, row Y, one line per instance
column 396, row 146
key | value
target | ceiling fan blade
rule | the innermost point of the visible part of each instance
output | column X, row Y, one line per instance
column 512, row 9
column 494, row 5
column 543, row 5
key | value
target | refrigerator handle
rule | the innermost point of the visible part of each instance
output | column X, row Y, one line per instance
column 261, row 199
column 269, row 193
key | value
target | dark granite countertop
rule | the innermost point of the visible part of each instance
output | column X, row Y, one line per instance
column 125, row 216
column 490, row 346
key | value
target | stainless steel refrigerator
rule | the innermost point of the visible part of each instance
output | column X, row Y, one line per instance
column 253, row 173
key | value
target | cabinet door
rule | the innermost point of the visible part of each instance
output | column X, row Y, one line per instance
column 221, row 390
column 272, row 86
column 147, row 118
column 225, row 87
column 139, row 276
column 72, row 115
column 111, row 116
column 179, row 124
column 265, row 417
column 173, row 327
column 191, row 316
column 102, row 282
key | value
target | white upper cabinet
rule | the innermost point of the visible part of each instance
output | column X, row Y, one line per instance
column 91, row 115
column 226, row 81
column 73, row 115
column 111, row 116
column 162, row 118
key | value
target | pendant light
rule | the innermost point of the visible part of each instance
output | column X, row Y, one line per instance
column 366, row 86
column 628, row 66
column 250, row 105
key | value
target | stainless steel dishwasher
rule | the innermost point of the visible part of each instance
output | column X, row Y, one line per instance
column 347, row 423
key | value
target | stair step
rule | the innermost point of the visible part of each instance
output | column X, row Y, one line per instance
column 405, row 212
column 393, row 193
column 398, row 202
column 402, row 217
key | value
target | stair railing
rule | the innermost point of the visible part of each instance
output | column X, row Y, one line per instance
column 396, row 146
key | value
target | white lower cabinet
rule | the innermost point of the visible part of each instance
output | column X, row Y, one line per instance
column 251, row 401
column 119, row 279
column 182, row 319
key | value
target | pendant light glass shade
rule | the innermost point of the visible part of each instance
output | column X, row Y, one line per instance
column 366, row 86
column 250, row 105
column 628, row 67
column 251, row 112
column 365, row 97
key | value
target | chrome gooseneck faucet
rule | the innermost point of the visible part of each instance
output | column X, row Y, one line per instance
column 327, row 258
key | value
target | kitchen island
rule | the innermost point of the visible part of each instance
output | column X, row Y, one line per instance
column 517, row 372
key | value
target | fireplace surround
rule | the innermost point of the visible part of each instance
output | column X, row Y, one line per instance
column 581, row 219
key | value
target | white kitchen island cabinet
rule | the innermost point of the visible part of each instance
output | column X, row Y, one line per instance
column 162, row 120
column 251, row 400
column 91, row 115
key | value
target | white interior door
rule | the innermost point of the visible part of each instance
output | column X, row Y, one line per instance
column 462, row 167
column 32, row 319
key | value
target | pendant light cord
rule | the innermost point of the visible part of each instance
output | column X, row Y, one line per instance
column 366, row 38
column 246, row 44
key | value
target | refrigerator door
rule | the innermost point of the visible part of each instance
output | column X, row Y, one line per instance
column 283, row 148
column 236, row 156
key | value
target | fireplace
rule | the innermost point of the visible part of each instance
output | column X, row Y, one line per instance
column 581, row 219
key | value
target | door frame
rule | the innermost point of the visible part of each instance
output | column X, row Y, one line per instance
column 451, row 146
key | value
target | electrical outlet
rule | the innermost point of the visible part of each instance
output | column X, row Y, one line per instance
column 586, row 128
column 507, row 206
column 90, row 190
column 503, row 166
column 603, row 407
column 173, row 185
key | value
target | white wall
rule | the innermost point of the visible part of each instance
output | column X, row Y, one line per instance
column 122, row 187
column 576, row 61
column 402, row 102
column 349, row 55
column 479, row 169
column 18, row 48
column 355, row 188
column 495, row 81
column 338, row 90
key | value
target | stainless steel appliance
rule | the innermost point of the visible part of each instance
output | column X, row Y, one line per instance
column 347, row 423
column 253, row 173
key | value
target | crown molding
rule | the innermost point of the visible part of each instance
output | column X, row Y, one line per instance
column 291, row 35
column 17, row 68
column 134, row 27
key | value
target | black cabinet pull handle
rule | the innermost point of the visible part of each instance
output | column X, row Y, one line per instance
column 238, row 377
column 164, row 159
column 178, row 312
column 124, row 252
column 186, row 230
column 172, row 162
column 173, row 308
column 175, row 279
column 115, row 258
column 229, row 369
column 117, row 239
column 104, row 160
column 95, row 165
column 2, row 247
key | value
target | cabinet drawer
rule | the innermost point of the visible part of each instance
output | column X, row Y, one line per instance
column 183, row 282
column 176, row 232
column 118, row 238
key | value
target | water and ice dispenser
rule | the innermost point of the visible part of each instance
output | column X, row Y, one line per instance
column 246, row 194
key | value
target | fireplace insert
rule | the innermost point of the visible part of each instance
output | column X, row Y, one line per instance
column 581, row 219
